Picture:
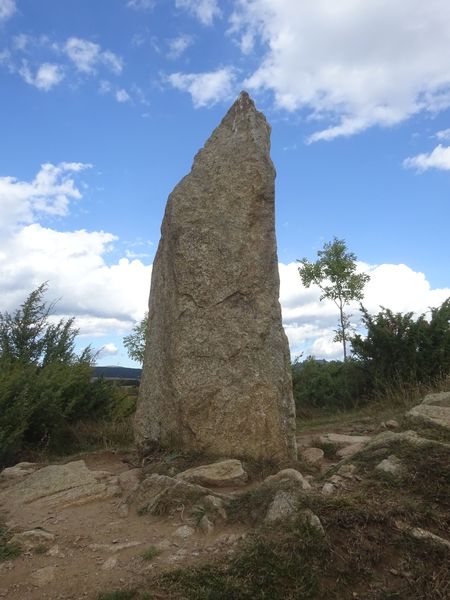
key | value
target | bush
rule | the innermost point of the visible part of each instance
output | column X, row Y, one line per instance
column 44, row 386
column 327, row 384
column 400, row 350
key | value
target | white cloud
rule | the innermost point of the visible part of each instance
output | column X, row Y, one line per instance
column 109, row 349
column 204, row 10
column 7, row 9
column 179, row 45
column 205, row 88
column 122, row 96
column 439, row 158
column 444, row 134
column 310, row 323
column 47, row 76
column 104, row 297
column 141, row 4
column 354, row 64
column 48, row 193
column 88, row 56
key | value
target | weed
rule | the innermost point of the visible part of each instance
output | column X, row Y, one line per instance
column 150, row 553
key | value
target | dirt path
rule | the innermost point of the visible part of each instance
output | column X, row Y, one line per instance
column 89, row 553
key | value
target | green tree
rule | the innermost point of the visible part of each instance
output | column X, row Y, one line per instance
column 135, row 342
column 334, row 272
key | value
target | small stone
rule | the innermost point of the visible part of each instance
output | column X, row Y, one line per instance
column 164, row 545
column 391, row 466
column 313, row 456
column 289, row 475
column 392, row 424
column 114, row 547
column 215, row 505
column 53, row 551
column 220, row 474
column 184, row 531
column 43, row 576
column 284, row 506
column 347, row 471
column 129, row 480
column 328, row 489
column 110, row 563
column 123, row 511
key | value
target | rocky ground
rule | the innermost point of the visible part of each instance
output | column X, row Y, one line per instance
column 364, row 513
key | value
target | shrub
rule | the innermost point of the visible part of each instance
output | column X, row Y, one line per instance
column 327, row 384
column 44, row 385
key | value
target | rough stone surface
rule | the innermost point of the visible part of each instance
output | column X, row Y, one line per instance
column 438, row 399
column 391, row 465
column 18, row 471
column 284, row 506
column 350, row 450
column 216, row 377
column 159, row 494
column 129, row 480
column 220, row 474
column 43, row 576
column 430, row 414
column 289, row 475
column 62, row 485
column 312, row 456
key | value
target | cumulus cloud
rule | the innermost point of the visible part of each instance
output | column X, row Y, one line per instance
column 48, row 193
column 205, row 89
column 205, row 10
column 7, row 9
column 109, row 349
column 444, row 134
column 352, row 64
column 47, row 76
column 439, row 158
column 104, row 297
column 88, row 56
column 179, row 45
column 310, row 323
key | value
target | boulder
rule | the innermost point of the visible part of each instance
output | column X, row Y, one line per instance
column 430, row 415
column 290, row 475
column 159, row 494
column 219, row 474
column 216, row 376
column 283, row 506
column 312, row 456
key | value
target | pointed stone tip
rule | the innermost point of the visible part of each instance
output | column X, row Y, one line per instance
column 244, row 101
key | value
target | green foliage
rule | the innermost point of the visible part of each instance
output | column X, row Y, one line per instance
column 399, row 349
column 332, row 385
column 150, row 553
column 334, row 273
column 44, row 385
column 135, row 342
column 8, row 550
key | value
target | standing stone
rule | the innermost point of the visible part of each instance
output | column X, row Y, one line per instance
column 216, row 376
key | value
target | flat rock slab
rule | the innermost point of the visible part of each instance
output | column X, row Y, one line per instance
column 347, row 451
column 438, row 399
column 430, row 414
column 219, row 474
column 339, row 439
column 63, row 484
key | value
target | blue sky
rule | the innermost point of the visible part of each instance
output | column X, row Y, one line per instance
column 104, row 104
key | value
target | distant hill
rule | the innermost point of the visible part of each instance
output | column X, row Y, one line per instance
column 122, row 373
